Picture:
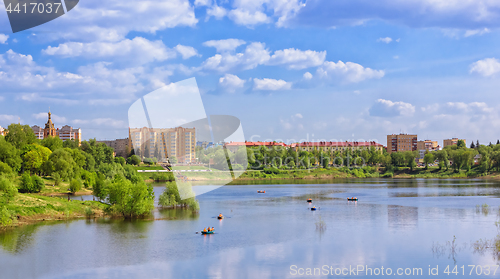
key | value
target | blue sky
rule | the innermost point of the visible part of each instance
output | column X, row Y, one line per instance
column 290, row 70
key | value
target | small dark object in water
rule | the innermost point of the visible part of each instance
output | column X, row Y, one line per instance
column 309, row 200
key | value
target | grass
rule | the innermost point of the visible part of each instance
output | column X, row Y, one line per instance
column 30, row 208
column 145, row 167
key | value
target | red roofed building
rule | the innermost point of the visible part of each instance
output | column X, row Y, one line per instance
column 331, row 146
column 233, row 146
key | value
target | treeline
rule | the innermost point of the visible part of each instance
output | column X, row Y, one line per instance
column 91, row 165
column 457, row 157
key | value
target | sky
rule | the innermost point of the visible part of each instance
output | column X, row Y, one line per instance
column 290, row 70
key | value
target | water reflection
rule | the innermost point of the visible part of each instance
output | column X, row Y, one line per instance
column 264, row 234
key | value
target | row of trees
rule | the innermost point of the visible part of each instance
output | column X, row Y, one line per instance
column 461, row 158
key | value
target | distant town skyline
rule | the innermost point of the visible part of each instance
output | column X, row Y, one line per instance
column 286, row 69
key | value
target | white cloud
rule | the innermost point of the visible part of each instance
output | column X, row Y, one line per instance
column 216, row 11
column 186, row 51
column 486, row 67
column 248, row 18
column 102, row 122
column 138, row 49
column 387, row 108
column 348, row 72
column 112, row 20
column 307, row 76
column 478, row 32
column 385, row 40
column 271, row 84
column 297, row 59
column 7, row 118
column 44, row 116
column 199, row 3
column 224, row 45
column 231, row 82
column 297, row 115
column 3, row 38
column 254, row 12
column 256, row 54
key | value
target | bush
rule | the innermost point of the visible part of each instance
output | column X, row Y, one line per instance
column 171, row 197
column 9, row 189
column 38, row 184
column 129, row 199
column 134, row 160
column 5, row 216
column 75, row 185
column 57, row 179
column 31, row 184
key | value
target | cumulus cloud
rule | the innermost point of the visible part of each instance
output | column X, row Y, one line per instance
column 271, row 84
column 254, row 12
column 307, row 76
column 387, row 108
column 224, row 45
column 216, row 11
column 186, row 51
column 256, row 54
column 3, row 38
column 231, row 82
column 138, row 49
column 112, row 20
column 486, row 67
column 347, row 72
column 8, row 118
column 297, row 59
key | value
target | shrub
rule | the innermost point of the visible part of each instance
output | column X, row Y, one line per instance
column 75, row 185
column 5, row 216
column 171, row 197
column 31, row 184
column 57, row 179
column 9, row 189
column 38, row 184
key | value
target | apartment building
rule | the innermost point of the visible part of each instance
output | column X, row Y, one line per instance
column 427, row 145
column 120, row 146
column 65, row 133
column 331, row 146
column 163, row 143
column 453, row 141
column 401, row 142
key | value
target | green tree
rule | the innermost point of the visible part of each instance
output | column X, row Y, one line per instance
column 20, row 135
column 120, row 160
column 73, row 144
column 129, row 199
column 62, row 163
column 428, row 159
column 10, row 155
column 410, row 159
column 100, row 151
column 34, row 157
column 134, row 160
column 75, row 185
column 52, row 143
column 461, row 144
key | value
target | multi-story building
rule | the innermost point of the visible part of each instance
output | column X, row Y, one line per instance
column 38, row 131
column 121, row 146
column 453, row 141
column 330, row 146
column 427, row 145
column 2, row 131
column 163, row 143
column 65, row 133
column 401, row 142
column 70, row 133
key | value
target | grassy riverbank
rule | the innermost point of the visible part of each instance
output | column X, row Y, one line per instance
column 32, row 208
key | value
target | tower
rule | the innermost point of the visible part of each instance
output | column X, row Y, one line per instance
column 49, row 130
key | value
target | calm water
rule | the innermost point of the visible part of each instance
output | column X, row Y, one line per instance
column 395, row 224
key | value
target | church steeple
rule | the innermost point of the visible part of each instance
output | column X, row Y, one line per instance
column 49, row 127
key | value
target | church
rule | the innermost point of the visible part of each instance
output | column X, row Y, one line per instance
column 65, row 133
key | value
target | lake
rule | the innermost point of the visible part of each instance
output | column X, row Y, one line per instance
column 403, row 225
